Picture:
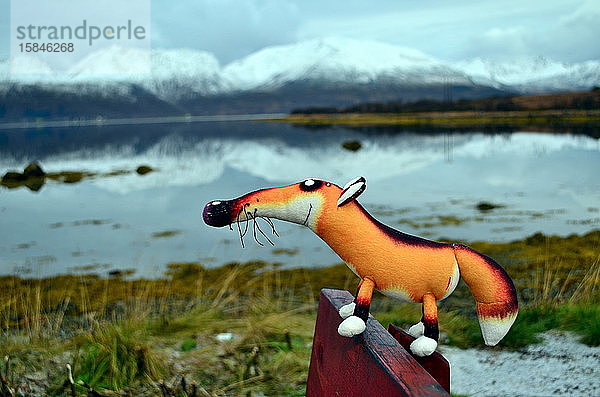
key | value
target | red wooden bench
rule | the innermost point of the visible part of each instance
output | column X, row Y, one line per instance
column 374, row 363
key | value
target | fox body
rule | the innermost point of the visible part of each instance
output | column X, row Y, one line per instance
column 399, row 265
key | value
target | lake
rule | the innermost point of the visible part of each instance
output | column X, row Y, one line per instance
column 428, row 184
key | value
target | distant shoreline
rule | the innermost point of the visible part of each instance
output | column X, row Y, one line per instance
column 450, row 118
column 102, row 121
column 455, row 119
column 556, row 112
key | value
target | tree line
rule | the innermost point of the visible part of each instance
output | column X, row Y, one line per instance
column 583, row 101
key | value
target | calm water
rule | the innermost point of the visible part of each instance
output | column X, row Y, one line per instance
column 426, row 184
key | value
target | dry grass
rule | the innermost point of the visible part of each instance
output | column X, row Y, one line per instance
column 453, row 118
column 149, row 336
column 551, row 286
column 129, row 335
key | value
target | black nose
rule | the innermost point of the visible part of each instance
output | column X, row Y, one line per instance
column 217, row 213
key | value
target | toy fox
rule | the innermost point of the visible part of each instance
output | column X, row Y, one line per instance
column 399, row 265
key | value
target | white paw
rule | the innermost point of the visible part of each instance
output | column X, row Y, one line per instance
column 416, row 330
column 347, row 310
column 351, row 326
column 423, row 346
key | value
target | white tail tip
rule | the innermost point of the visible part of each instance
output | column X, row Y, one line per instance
column 494, row 329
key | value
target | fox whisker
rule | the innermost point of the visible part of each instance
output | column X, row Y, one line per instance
column 254, row 227
column 254, row 217
column 242, row 233
column 270, row 222
column 257, row 226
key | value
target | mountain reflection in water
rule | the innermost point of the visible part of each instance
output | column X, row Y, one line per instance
column 427, row 184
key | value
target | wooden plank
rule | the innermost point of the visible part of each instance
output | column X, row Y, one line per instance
column 436, row 364
column 370, row 364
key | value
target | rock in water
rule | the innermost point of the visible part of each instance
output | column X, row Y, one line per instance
column 12, row 177
column 33, row 177
column 33, row 170
column 352, row 146
column 143, row 169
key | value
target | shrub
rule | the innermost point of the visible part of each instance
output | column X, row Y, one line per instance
column 113, row 358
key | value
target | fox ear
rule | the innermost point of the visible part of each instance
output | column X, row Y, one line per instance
column 352, row 190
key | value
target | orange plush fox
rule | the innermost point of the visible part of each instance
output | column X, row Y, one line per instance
column 399, row 265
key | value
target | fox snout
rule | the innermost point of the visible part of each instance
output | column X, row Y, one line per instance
column 218, row 213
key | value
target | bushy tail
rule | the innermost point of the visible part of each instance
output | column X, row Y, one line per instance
column 494, row 292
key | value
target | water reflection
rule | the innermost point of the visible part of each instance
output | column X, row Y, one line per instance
column 424, row 184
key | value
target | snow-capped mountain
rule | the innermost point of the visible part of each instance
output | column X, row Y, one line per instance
column 177, row 71
column 338, row 60
column 169, row 74
column 532, row 75
column 334, row 60
column 319, row 72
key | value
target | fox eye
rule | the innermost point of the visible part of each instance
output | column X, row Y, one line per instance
column 310, row 185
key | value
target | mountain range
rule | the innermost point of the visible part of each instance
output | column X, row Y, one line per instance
column 319, row 72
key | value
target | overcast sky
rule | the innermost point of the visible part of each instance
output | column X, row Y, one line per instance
column 564, row 30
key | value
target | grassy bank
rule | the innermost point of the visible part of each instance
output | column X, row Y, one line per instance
column 562, row 111
column 455, row 119
column 246, row 329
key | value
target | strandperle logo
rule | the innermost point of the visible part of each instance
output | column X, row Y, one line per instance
column 82, row 38
column 85, row 31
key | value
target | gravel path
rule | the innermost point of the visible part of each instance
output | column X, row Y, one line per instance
column 560, row 366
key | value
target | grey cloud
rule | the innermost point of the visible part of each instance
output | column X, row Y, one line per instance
column 565, row 30
column 4, row 29
column 576, row 35
column 229, row 29
column 568, row 37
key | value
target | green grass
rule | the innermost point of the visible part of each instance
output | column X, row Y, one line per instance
column 188, row 344
column 129, row 334
column 114, row 357
column 584, row 320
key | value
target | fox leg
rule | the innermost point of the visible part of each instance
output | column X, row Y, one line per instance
column 426, row 343
column 357, row 322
